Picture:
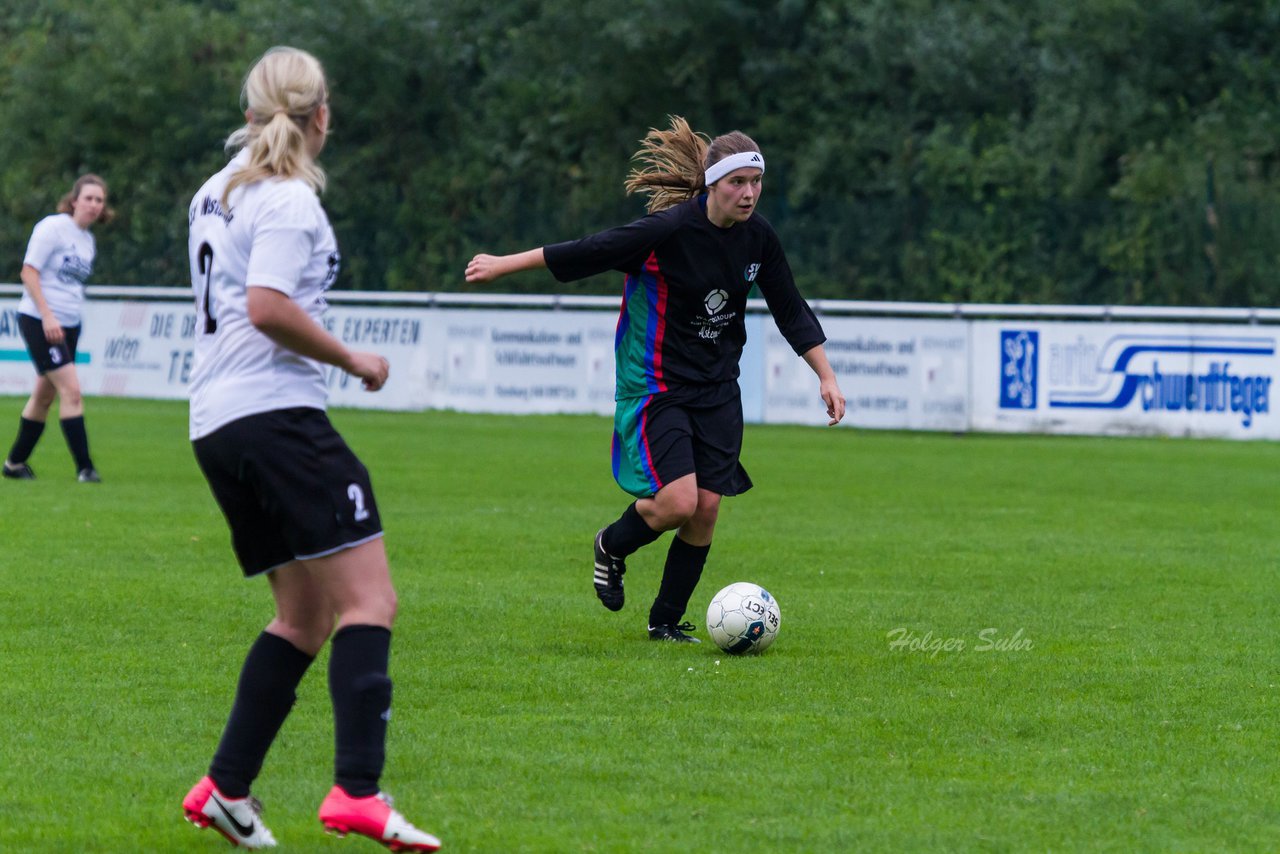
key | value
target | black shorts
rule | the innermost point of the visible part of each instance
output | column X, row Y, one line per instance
column 48, row 357
column 289, row 486
column 686, row 430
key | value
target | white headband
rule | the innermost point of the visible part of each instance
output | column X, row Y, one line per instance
column 721, row 168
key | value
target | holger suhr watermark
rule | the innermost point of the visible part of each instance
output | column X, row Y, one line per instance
column 990, row 639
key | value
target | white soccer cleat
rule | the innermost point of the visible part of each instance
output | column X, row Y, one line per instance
column 238, row 819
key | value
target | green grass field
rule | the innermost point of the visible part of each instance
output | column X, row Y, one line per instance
column 1135, row 706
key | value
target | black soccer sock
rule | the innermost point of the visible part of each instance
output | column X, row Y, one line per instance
column 361, row 693
column 77, row 441
column 28, row 434
column 272, row 670
column 630, row 533
column 679, row 578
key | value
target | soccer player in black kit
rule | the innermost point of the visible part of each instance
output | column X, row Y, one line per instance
column 689, row 267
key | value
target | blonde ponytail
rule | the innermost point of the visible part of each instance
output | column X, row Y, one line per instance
column 282, row 93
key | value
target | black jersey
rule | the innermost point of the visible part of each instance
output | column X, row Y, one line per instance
column 683, row 318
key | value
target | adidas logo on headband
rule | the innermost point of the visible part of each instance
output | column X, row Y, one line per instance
column 718, row 170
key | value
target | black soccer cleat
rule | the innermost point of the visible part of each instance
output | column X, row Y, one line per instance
column 21, row 471
column 608, row 577
column 89, row 475
column 674, row 633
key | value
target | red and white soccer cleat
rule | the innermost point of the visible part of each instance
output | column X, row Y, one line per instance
column 373, row 817
column 238, row 819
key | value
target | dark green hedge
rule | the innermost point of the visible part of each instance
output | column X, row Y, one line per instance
column 1097, row 151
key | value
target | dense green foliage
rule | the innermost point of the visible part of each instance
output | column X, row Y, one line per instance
column 1136, row 712
column 1117, row 151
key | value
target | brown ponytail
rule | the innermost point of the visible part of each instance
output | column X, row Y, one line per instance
column 674, row 162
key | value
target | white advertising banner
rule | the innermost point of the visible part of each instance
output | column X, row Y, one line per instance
column 522, row 361
column 16, row 374
column 955, row 374
column 403, row 335
column 896, row 374
column 136, row 349
column 145, row 349
column 1125, row 378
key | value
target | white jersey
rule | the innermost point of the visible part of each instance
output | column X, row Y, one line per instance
column 63, row 252
column 273, row 234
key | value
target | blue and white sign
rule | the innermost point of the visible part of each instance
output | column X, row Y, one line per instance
column 1019, row 368
column 1116, row 378
column 1197, row 376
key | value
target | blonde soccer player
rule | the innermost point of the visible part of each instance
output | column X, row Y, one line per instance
column 299, row 503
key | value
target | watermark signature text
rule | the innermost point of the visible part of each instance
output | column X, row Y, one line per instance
column 990, row 639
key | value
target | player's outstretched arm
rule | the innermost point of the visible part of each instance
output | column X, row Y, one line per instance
column 486, row 268
column 283, row 321
column 816, row 357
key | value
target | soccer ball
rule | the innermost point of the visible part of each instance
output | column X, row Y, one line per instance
column 743, row 618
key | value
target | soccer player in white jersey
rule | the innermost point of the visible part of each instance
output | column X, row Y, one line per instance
column 299, row 503
column 59, row 258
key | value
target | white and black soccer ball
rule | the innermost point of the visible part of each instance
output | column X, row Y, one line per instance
column 743, row 618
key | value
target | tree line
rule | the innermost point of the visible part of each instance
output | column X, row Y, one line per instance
column 1099, row 151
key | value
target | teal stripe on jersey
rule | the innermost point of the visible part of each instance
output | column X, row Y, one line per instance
column 632, row 462
column 628, row 347
column 638, row 345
